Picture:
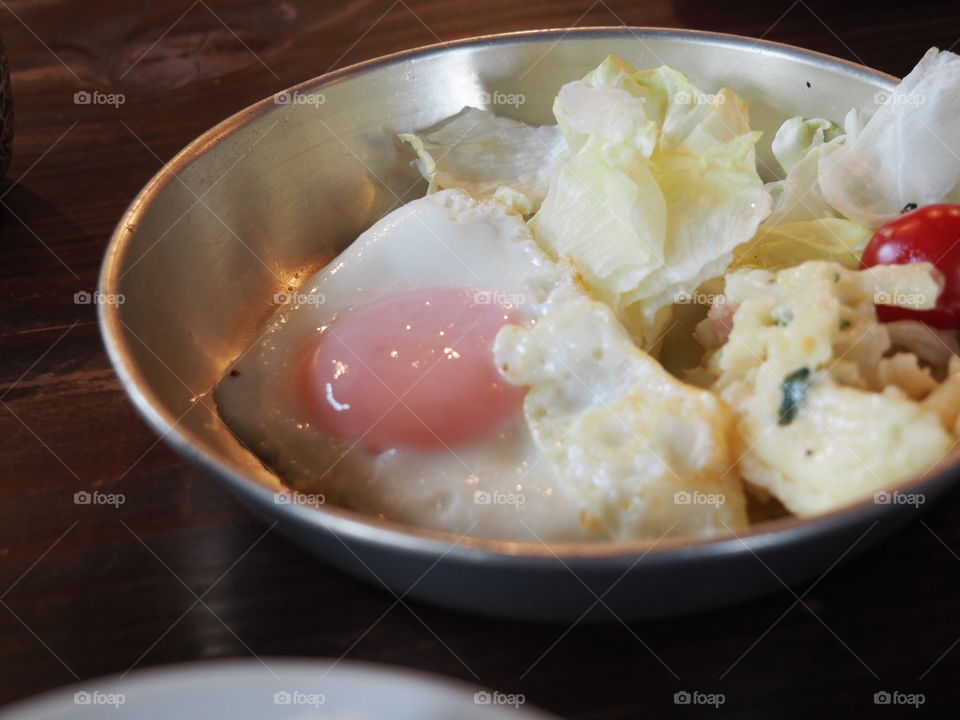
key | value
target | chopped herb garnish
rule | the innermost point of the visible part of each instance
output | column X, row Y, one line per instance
column 793, row 390
column 844, row 324
column 909, row 207
column 782, row 317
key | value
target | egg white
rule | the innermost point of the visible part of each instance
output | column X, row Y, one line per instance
column 496, row 487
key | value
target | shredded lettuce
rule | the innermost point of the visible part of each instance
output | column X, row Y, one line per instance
column 489, row 157
column 798, row 135
column 840, row 186
column 803, row 225
column 659, row 188
column 782, row 246
column 907, row 152
column 649, row 187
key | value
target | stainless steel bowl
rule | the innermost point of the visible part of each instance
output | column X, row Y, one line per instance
column 279, row 187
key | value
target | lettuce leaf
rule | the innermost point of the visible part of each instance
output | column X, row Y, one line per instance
column 489, row 157
column 841, row 186
column 907, row 152
column 776, row 247
column 799, row 146
column 803, row 225
column 798, row 135
column 660, row 186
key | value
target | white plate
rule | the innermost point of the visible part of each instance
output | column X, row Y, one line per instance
column 274, row 689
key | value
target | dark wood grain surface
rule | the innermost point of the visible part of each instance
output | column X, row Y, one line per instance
column 180, row 571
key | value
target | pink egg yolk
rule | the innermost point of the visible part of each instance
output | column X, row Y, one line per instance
column 413, row 370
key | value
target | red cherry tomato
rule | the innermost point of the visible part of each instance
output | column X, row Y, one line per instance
column 930, row 234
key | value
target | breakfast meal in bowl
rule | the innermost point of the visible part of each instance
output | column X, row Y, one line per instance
column 625, row 326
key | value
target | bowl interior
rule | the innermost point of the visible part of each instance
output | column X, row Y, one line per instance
column 268, row 196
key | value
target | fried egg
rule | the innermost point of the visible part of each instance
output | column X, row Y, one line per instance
column 375, row 385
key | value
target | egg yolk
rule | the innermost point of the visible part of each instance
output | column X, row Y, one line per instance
column 414, row 370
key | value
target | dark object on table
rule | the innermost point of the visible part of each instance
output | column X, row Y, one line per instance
column 6, row 113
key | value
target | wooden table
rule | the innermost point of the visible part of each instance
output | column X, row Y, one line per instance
column 179, row 571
